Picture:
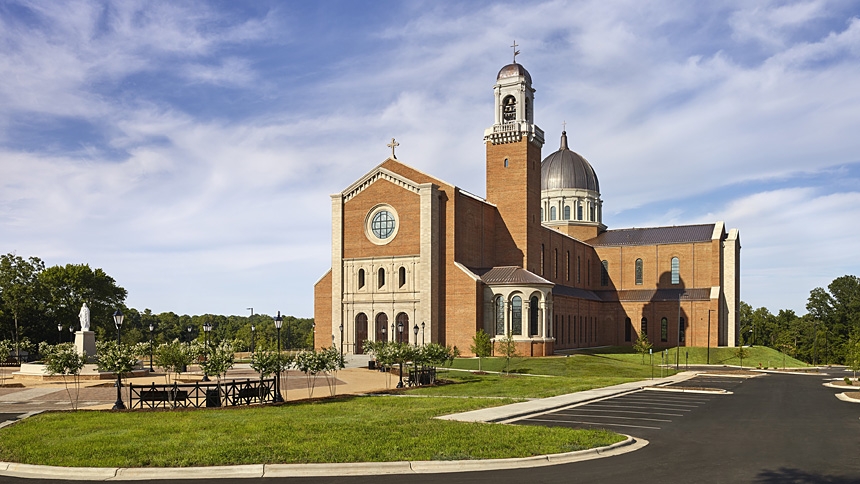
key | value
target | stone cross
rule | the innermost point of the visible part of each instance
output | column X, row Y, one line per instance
column 516, row 52
column 392, row 145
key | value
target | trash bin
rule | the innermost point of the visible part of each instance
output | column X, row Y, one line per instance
column 371, row 365
column 213, row 397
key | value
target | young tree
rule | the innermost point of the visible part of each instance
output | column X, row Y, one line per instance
column 220, row 359
column 642, row 346
column 174, row 357
column 116, row 358
column 63, row 359
column 740, row 353
column 481, row 346
column 852, row 351
column 508, row 349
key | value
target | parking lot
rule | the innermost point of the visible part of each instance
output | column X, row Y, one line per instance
column 641, row 411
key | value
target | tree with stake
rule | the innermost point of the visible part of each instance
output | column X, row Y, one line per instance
column 63, row 359
column 642, row 346
column 852, row 351
column 481, row 346
column 508, row 349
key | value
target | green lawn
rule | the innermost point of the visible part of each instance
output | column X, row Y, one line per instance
column 347, row 429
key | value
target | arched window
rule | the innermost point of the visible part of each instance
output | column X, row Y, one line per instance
column 567, row 266
column 541, row 215
column 591, row 212
column 381, row 277
column 402, row 321
column 639, row 272
column 509, row 109
column 360, row 332
column 604, row 274
column 552, row 213
column 676, row 269
column 578, row 211
column 664, row 330
column 516, row 315
column 628, row 329
column 533, row 316
column 643, row 328
column 567, row 212
column 402, row 276
column 506, row 162
column 541, row 259
column 382, row 327
column 360, row 278
column 499, row 307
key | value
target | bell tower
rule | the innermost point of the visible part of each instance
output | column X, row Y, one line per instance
column 513, row 169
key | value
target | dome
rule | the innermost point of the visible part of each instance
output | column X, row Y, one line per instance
column 514, row 70
column 566, row 169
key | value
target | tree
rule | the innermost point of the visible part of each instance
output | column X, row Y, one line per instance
column 174, row 357
column 311, row 363
column 63, row 359
column 68, row 287
column 508, row 349
column 642, row 346
column 481, row 346
column 219, row 359
column 852, row 351
column 116, row 358
column 741, row 352
column 20, row 291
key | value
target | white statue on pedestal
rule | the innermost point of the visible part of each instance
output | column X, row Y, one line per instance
column 84, row 315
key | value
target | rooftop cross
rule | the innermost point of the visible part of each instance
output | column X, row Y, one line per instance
column 516, row 52
column 392, row 145
column 564, row 125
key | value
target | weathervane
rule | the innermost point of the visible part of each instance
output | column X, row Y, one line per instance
column 392, row 145
column 516, row 52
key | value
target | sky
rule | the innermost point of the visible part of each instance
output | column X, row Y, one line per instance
column 189, row 148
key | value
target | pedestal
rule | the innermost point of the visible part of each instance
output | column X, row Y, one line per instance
column 86, row 341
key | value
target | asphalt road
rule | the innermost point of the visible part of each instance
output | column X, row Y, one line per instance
column 772, row 429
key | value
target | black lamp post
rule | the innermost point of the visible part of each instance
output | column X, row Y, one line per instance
column 71, row 333
column 341, row 344
column 151, row 329
column 415, row 332
column 278, row 322
column 400, row 339
column 384, row 338
column 117, row 321
column 253, row 333
column 392, row 332
column 60, row 332
column 207, row 327
column 422, row 333
column 189, row 336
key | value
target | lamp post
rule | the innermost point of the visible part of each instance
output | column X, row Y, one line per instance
column 253, row 332
column 207, row 327
column 278, row 322
column 117, row 321
column 709, row 336
column 400, row 339
column 422, row 333
column 415, row 332
column 678, row 347
column 341, row 344
column 385, row 339
column 151, row 329
column 71, row 333
column 392, row 332
column 60, row 332
column 189, row 336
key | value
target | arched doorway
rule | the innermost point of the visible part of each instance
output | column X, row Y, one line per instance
column 402, row 321
column 360, row 332
column 381, row 327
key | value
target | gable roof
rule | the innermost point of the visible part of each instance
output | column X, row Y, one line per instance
column 679, row 234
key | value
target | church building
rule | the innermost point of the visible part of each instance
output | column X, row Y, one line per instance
column 419, row 260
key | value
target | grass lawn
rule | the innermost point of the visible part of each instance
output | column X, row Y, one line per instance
column 346, row 429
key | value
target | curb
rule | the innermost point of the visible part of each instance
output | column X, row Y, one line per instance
column 630, row 444
column 845, row 398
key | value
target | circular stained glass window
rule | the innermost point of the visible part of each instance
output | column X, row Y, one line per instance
column 383, row 224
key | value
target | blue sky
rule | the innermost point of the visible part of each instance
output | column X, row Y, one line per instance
column 189, row 149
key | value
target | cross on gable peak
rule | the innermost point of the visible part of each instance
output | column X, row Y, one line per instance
column 392, row 145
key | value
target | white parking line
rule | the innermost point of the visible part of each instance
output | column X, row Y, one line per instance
column 592, row 423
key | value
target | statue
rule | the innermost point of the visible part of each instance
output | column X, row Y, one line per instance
column 84, row 315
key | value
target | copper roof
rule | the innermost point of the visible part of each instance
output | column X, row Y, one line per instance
column 575, row 292
column 509, row 275
column 514, row 70
column 655, row 235
column 655, row 295
column 567, row 169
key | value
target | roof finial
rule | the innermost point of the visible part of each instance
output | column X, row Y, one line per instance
column 564, row 140
column 516, row 52
column 392, row 145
